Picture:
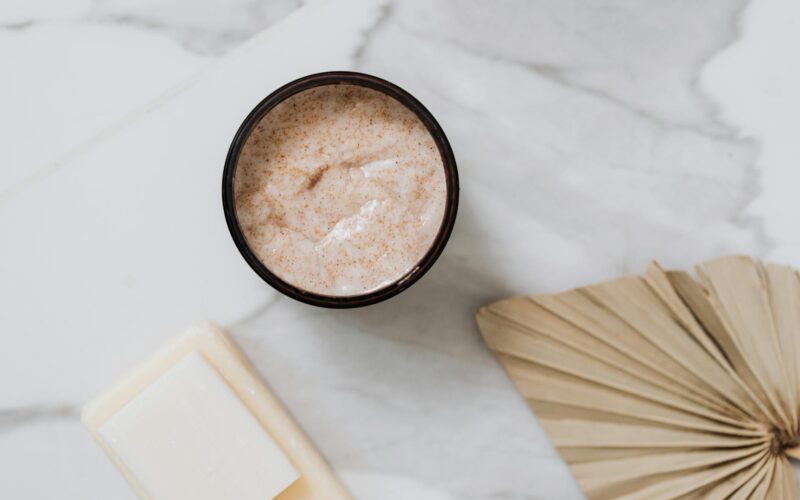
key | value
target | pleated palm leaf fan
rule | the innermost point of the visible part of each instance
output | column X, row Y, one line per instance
column 664, row 386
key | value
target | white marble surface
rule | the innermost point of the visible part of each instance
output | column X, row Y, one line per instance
column 591, row 137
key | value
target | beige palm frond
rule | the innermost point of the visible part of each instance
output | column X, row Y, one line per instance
column 664, row 386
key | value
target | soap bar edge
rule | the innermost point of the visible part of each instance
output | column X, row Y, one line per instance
column 277, row 420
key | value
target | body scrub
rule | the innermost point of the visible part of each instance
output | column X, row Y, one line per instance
column 340, row 190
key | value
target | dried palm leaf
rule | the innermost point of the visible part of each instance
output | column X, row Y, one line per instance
column 664, row 386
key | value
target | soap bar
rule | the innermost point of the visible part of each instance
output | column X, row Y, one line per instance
column 187, row 430
column 195, row 421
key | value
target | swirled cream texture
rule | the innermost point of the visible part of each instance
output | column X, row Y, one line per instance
column 340, row 190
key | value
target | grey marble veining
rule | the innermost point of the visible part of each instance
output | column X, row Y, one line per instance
column 11, row 418
column 206, row 27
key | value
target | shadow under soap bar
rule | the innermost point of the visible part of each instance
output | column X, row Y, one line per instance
column 196, row 422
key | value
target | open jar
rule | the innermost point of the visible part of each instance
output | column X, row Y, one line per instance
column 340, row 189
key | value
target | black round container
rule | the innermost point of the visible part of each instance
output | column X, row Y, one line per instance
column 349, row 78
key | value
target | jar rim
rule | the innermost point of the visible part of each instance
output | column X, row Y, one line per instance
column 451, row 180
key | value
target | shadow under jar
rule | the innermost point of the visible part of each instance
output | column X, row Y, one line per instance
column 340, row 189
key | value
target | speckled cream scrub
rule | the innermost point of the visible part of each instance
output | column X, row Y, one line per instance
column 340, row 189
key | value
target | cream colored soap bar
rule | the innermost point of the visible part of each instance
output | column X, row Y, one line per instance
column 196, row 422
